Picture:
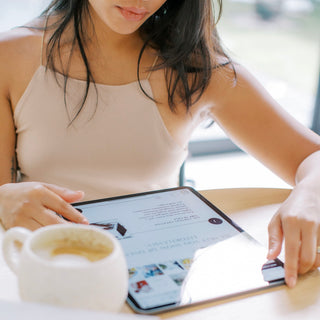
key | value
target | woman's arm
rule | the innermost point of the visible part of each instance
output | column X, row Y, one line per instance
column 25, row 204
column 298, row 221
column 7, row 135
column 262, row 128
column 255, row 121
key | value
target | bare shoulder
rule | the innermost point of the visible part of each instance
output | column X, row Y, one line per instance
column 20, row 51
column 19, row 46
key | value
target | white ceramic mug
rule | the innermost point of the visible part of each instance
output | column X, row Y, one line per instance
column 68, row 265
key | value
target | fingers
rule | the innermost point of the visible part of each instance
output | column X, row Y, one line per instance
column 317, row 261
column 40, row 219
column 308, row 250
column 54, row 202
column 30, row 224
column 33, row 205
column 275, row 237
column 301, row 236
column 297, row 222
column 47, row 217
column 66, row 194
column 292, row 251
column 317, row 251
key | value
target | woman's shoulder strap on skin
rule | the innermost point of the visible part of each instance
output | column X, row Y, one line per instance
column 43, row 39
column 23, row 42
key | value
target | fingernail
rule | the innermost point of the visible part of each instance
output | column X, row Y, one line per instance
column 270, row 253
column 85, row 221
column 68, row 191
column 291, row 282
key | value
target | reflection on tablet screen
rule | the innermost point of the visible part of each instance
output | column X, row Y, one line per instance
column 181, row 250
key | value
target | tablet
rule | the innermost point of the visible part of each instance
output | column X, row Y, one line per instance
column 181, row 250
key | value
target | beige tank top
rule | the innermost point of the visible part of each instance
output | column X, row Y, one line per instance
column 117, row 145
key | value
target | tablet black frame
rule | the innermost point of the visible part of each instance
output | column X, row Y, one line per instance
column 173, row 306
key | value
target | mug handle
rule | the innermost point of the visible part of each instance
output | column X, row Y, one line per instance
column 11, row 252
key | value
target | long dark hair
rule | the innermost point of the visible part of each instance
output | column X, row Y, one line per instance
column 183, row 32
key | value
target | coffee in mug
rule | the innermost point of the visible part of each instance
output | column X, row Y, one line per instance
column 68, row 265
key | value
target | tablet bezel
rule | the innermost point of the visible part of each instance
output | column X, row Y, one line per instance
column 172, row 306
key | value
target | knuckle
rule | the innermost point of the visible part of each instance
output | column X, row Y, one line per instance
column 53, row 219
column 291, row 268
column 291, row 249
column 308, row 221
column 25, row 206
column 305, row 265
column 317, row 263
column 23, row 209
column 301, row 220
column 270, row 227
column 62, row 205
column 291, row 220
column 14, row 221
column 274, row 231
column 17, row 217
column 37, row 191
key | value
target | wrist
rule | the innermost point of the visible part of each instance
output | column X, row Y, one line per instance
column 309, row 169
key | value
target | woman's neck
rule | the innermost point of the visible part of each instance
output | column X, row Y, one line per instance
column 109, row 54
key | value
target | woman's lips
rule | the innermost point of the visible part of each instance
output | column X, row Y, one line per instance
column 133, row 14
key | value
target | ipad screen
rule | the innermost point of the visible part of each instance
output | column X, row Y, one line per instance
column 182, row 250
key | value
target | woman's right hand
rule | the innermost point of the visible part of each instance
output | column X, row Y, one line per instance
column 34, row 204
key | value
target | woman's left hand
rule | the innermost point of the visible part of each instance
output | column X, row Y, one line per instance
column 297, row 222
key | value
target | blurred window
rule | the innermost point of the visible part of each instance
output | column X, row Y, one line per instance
column 278, row 41
column 17, row 12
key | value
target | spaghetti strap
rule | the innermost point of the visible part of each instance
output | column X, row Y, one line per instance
column 154, row 63
column 42, row 40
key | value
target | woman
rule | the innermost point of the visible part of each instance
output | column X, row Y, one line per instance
column 103, row 96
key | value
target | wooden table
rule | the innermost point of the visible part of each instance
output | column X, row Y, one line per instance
column 252, row 209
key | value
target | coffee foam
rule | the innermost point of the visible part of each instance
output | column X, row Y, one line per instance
column 73, row 247
column 61, row 259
